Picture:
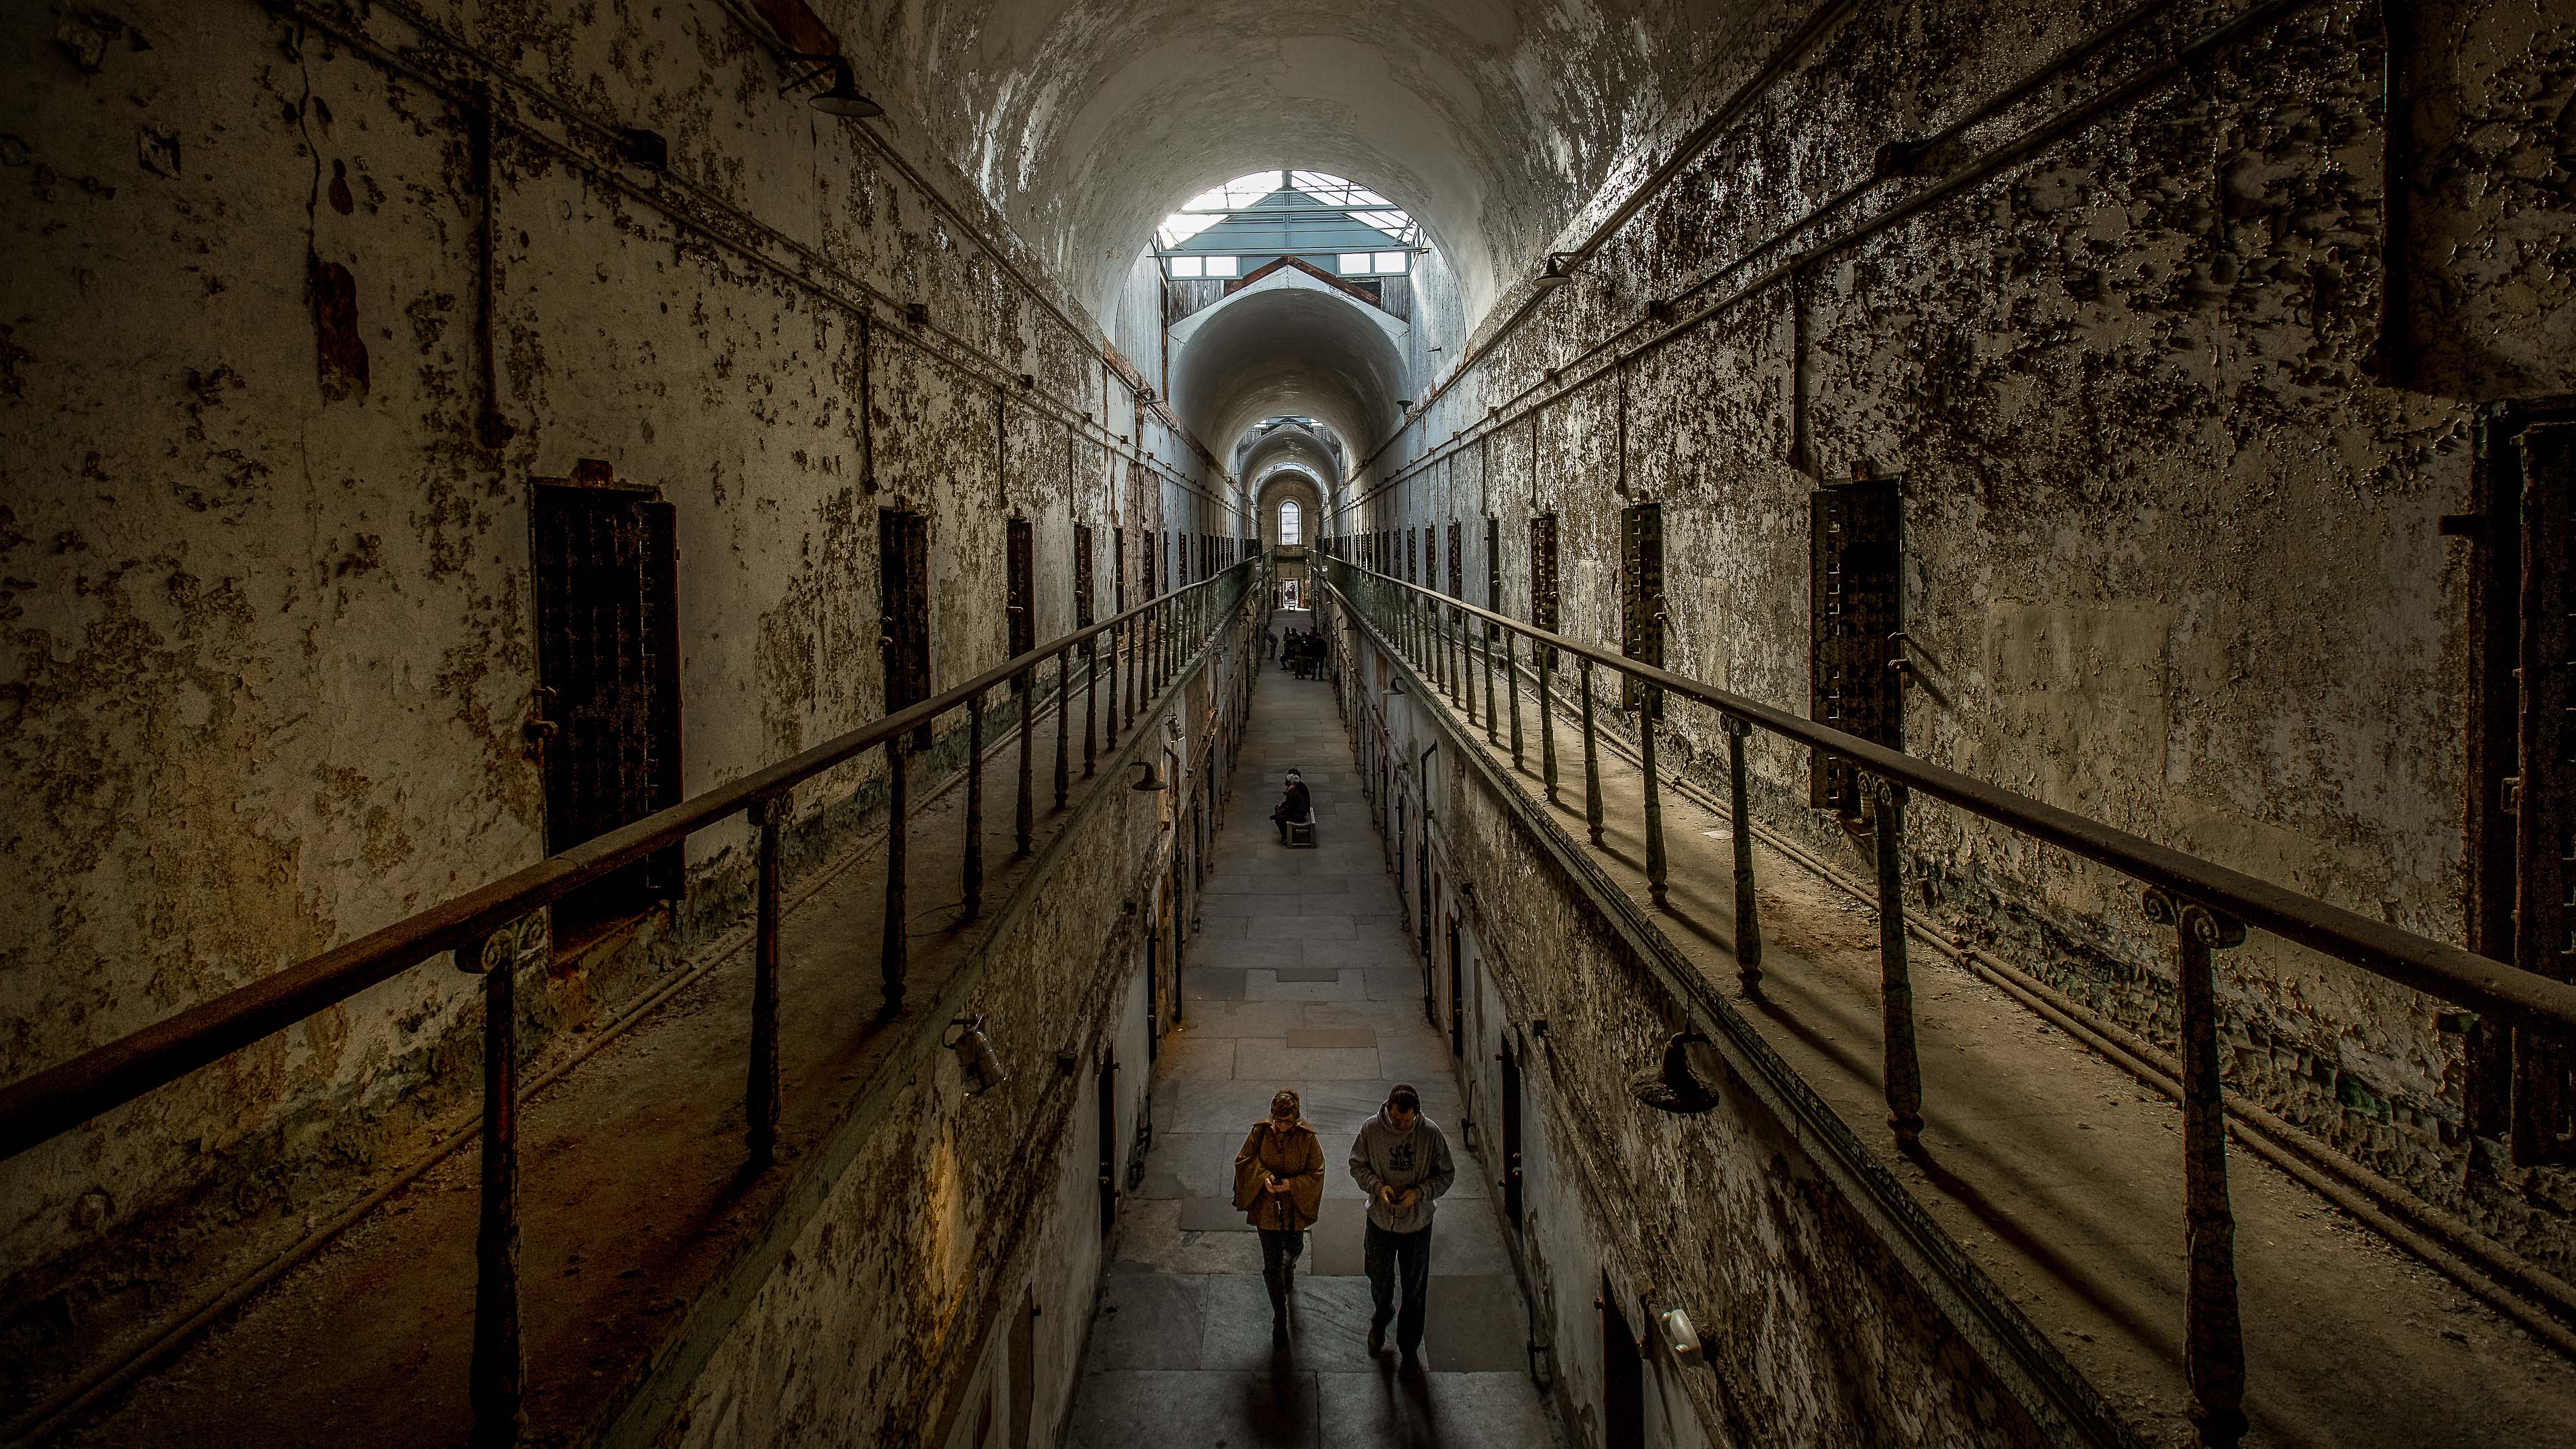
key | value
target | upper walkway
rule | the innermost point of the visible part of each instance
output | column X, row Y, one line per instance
column 1303, row 977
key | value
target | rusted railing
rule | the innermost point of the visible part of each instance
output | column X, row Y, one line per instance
column 2208, row 906
column 1156, row 640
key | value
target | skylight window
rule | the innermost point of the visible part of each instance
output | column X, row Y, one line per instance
column 1373, row 264
column 1313, row 215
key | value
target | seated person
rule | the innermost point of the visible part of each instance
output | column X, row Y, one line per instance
column 1296, row 806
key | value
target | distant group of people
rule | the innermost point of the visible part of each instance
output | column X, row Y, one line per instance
column 1301, row 651
column 1399, row 1158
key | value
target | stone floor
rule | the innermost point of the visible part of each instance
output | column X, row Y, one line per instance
column 1303, row 977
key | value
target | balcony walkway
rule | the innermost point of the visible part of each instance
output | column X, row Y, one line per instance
column 1303, row 977
column 2061, row 1174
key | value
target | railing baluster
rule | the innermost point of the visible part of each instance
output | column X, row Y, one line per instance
column 497, row 1374
column 1591, row 755
column 1748, row 924
column 1024, row 810
column 2214, row 1347
column 760, row 1094
column 1063, row 723
column 1904, row 1069
column 1493, row 728
column 1546, row 720
column 1651, row 699
column 891, row 955
column 974, row 857
column 1512, row 682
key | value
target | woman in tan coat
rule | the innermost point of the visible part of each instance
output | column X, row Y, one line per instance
column 1279, row 1185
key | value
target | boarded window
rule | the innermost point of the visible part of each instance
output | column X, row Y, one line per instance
column 608, row 658
column 1641, row 593
column 1082, row 581
column 1852, row 611
column 903, row 604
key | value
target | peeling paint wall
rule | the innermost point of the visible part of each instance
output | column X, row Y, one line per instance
column 2172, row 557
column 272, row 428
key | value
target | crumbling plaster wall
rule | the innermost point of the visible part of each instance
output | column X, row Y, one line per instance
column 2171, row 547
column 1818, row 1336
column 267, row 607
column 889, row 1317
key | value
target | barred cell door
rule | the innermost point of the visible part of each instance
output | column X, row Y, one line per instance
column 2544, row 792
column 1856, row 536
column 608, row 659
column 903, row 610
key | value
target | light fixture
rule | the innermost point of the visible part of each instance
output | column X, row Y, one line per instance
column 1675, row 1087
column 1682, row 1337
column 978, row 1070
column 843, row 98
column 1559, row 271
column 1146, row 778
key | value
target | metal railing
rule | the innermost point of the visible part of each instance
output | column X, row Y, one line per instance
column 1154, row 642
column 2209, row 907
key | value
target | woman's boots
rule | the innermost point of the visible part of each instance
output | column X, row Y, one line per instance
column 1280, row 1279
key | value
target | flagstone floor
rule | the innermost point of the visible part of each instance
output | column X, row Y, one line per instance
column 1302, row 977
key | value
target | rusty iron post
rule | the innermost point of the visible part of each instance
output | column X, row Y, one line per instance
column 1655, row 866
column 1591, row 755
column 1493, row 727
column 760, row 1094
column 1511, row 682
column 1024, row 811
column 1748, row 923
column 1546, row 722
column 497, row 1375
column 1904, row 1068
column 2214, row 1335
column 892, row 963
column 1063, row 724
column 974, row 855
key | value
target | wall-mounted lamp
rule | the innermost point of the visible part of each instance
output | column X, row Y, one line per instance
column 843, row 98
column 1682, row 1337
column 1675, row 1086
column 978, row 1069
column 1559, row 271
column 1146, row 777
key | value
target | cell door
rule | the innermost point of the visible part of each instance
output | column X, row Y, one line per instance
column 1105, row 1119
column 903, row 610
column 2530, row 530
column 608, row 658
column 1856, row 535
column 1019, row 588
column 1085, row 609
column 1511, row 1183
column 1623, row 1377
column 1289, row 597
column 1641, row 596
column 1457, row 994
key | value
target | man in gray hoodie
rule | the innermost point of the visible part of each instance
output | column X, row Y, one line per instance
column 1401, row 1160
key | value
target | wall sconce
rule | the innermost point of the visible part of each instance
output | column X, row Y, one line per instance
column 1682, row 1337
column 843, row 98
column 1675, row 1087
column 979, row 1069
column 1146, row 778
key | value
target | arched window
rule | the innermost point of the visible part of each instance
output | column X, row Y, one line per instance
column 1292, row 522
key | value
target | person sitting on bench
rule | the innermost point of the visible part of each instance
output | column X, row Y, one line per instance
column 1296, row 807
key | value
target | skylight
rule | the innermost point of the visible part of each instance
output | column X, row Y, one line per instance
column 1279, row 196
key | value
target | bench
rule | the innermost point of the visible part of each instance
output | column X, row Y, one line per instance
column 1301, row 834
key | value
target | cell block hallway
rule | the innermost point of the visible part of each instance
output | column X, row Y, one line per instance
column 1305, row 975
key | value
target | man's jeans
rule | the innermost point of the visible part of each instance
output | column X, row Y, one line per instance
column 1386, row 1255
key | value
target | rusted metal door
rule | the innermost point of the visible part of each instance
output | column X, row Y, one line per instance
column 1543, row 596
column 1641, row 595
column 903, row 603
column 608, row 658
column 1511, row 1183
column 1852, row 612
column 1084, row 611
column 1019, row 604
column 2543, row 796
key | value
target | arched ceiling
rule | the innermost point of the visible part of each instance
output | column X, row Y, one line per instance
column 1085, row 121
column 1291, row 351
column 1289, row 447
